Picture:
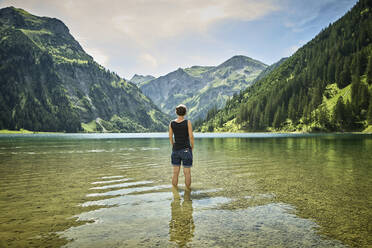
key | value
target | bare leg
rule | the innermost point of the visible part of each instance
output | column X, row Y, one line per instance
column 176, row 194
column 187, row 173
column 187, row 195
column 176, row 172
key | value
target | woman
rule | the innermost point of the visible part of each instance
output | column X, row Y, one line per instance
column 182, row 145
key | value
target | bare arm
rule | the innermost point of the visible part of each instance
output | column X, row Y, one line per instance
column 191, row 135
column 171, row 135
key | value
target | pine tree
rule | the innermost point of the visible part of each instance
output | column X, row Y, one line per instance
column 339, row 112
column 345, row 77
column 359, row 95
column 276, row 122
column 364, row 96
column 292, row 111
column 349, row 118
column 355, row 94
column 324, row 117
column 355, row 65
column 363, row 61
column 369, row 113
column 331, row 72
column 262, row 122
column 369, row 70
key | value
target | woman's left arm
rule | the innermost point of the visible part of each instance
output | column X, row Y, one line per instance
column 191, row 135
column 171, row 135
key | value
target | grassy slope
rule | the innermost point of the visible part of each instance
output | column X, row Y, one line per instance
column 196, row 71
column 21, row 131
column 6, row 131
column 89, row 127
column 368, row 129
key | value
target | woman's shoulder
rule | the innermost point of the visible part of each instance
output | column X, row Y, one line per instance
column 179, row 122
column 173, row 122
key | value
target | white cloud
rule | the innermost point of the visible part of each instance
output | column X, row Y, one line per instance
column 123, row 34
column 147, row 21
column 148, row 60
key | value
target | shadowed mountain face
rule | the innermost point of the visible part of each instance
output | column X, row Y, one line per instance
column 202, row 87
column 48, row 83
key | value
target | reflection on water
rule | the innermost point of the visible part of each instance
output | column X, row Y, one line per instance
column 181, row 225
column 257, row 191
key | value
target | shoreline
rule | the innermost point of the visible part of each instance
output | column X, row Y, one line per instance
column 24, row 131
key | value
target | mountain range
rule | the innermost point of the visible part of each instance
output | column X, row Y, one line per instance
column 49, row 83
column 201, row 87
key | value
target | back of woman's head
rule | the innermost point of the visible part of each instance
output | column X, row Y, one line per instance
column 181, row 110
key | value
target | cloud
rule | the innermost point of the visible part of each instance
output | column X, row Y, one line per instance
column 129, row 28
column 148, row 60
column 158, row 36
column 146, row 22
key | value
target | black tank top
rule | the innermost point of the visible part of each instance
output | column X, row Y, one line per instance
column 181, row 135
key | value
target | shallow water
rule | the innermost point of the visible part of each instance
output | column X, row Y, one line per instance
column 248, row 190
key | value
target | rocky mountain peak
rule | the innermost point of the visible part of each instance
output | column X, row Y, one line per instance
column 240, row 61
column 19, row 18
column 138, row 79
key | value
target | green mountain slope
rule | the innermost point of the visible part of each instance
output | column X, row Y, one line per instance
column 324, row 86
column 48, row 83
column 202, row 87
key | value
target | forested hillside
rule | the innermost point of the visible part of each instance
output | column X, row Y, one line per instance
column 324, row 86
column 48, row 83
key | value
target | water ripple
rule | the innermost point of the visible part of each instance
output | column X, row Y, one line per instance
column 128, row 190
column 122, row 185
column 111, row 181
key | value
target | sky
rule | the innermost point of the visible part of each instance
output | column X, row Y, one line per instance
column 155, row 37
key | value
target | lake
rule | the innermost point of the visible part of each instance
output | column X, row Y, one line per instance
column 248, row 190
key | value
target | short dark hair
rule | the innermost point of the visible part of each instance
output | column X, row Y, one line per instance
column 181, row 110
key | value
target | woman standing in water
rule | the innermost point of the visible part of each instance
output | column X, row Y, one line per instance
column 182, row 145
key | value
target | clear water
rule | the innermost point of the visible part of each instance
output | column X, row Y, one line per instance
column 248, row 190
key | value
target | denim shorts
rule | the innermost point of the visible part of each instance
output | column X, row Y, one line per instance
column 184, row 156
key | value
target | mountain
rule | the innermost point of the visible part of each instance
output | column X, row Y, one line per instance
column 202, row 87
column 139, row 79
column 325, row 86
column 49, row 83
